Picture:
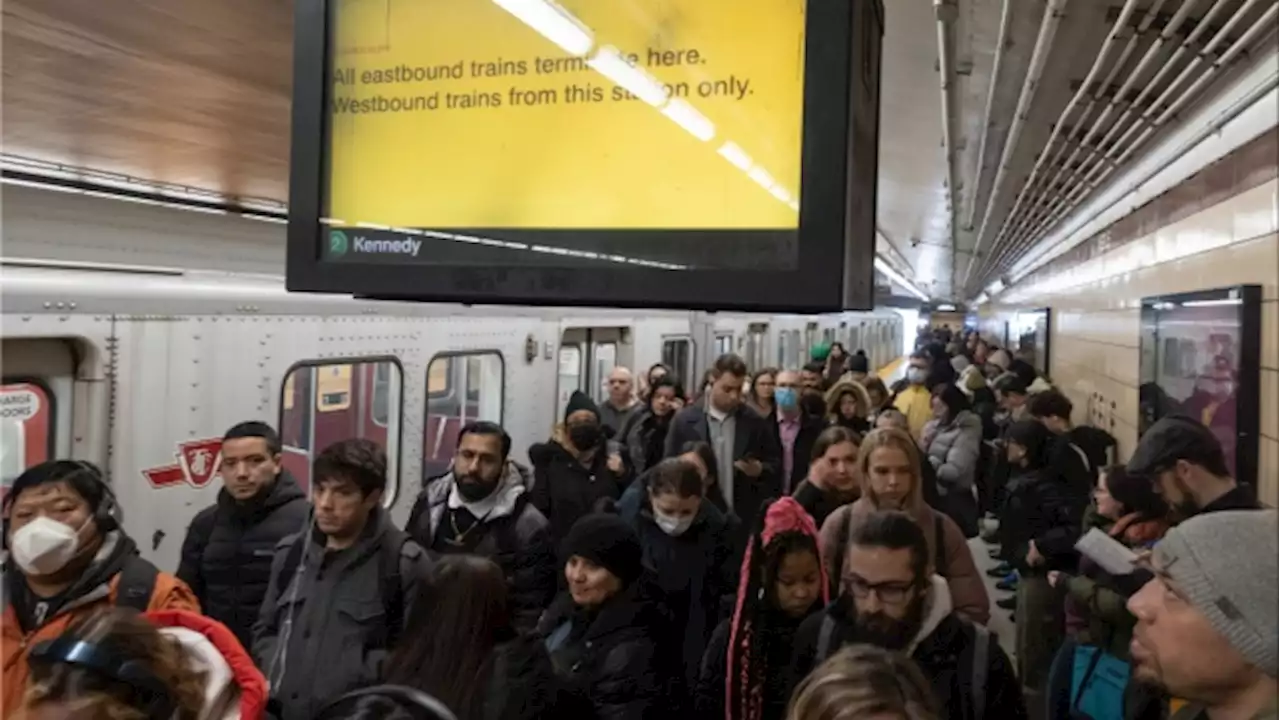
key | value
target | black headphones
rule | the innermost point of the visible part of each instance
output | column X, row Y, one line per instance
column 108, row 515
column 427, row 706
column 149, row 694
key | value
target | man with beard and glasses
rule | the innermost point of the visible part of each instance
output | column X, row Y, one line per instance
column 1186, row 465
column 481, row 507
column 891, row 598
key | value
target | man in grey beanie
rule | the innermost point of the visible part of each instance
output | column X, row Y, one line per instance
column 1207, row 628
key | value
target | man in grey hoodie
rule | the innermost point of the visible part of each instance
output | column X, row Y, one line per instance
column 481, row 507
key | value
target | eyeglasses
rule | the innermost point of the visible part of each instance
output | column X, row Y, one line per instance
column 888, row 593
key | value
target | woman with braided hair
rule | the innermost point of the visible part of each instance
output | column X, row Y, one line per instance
column 744, row 671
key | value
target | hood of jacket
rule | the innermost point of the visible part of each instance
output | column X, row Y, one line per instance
column 515, row 481
column 234, row 689
column 283, row 491
column 937, row 606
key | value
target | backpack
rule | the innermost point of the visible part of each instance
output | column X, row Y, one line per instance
column 390, row 585
column 137, row 584
column 979, row 660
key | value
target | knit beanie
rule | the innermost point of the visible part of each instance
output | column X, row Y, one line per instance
column 820, row 352
column 1224, row 563
column 580, row 401
column 608, row 541
column 859, row 362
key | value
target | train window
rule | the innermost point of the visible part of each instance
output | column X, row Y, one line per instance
column 677, row 355
column 724, row 343
column 604, row 355
column 333, row 388
column 569, row 376
column 381, row 393
column 784, row 348
column 27, row 427
column 483, row 375
column 323, row 403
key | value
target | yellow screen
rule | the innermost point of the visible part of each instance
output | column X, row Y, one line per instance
column 626, row 114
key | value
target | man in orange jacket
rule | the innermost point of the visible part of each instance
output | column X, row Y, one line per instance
column 68, row 557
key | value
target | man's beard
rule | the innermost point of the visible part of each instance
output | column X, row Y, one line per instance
column 474, row 489
column 890, row 633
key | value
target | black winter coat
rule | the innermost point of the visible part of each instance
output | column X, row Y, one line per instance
column 514, row 535
column 565, row 490
column 523, row 685
column 946, row 656
column 227, row 554
column 695, row 571
column 1040, row 507
column 779, row 641
column 623, row 656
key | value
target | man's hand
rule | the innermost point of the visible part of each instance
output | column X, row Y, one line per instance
column 749, row 467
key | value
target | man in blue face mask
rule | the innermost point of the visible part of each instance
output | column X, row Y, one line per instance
column 795, row 431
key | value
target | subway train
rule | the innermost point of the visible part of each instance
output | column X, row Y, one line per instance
column 123, row 357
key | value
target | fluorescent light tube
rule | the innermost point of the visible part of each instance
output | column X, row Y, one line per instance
column 735, row 155
column 688, row 117
column 552, row 22
column 608, row 61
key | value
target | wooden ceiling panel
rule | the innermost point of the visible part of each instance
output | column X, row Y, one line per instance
column 180, row 91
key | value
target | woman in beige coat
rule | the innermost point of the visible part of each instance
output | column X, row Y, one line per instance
column 890, row 466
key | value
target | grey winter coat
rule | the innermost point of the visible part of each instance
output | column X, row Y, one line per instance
column 512, row 533
column 337, row 637
column 953, row 450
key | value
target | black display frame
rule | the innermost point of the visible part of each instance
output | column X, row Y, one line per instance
column 1249, row 373
column 835, row 239
column 1048, row 337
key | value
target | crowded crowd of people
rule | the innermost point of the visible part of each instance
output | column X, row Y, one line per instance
column 784, row 543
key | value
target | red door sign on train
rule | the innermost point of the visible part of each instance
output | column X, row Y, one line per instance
column 200, row 460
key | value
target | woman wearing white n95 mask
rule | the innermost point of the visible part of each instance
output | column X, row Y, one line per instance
column 67, row 559
column 686, row 541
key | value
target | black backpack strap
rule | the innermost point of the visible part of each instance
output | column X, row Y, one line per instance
column 826, row 632
column 391, row 584
column 137, row 584
column 981, row 661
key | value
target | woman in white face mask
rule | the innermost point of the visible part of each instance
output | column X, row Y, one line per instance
column 67, row 560
column 686, row 540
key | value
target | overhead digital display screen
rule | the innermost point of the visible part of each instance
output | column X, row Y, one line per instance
column 708, row 154
column 528, row 114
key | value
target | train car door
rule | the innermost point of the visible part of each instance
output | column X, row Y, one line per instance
column 587, row 356
column 36, row 394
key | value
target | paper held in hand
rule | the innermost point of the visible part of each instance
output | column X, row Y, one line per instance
column 1109, row 553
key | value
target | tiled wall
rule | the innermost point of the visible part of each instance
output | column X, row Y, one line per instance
column 1095, row 302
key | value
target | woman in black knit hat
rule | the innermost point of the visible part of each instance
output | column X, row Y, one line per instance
column 608, row 633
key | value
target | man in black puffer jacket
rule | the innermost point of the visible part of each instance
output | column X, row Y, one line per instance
column 226, row 557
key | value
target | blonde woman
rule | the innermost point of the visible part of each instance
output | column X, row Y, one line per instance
column 863, row 682
column 889, row 465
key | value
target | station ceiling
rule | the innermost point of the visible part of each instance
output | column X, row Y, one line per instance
column 197, row 94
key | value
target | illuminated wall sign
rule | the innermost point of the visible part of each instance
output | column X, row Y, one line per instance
column 687, row 153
